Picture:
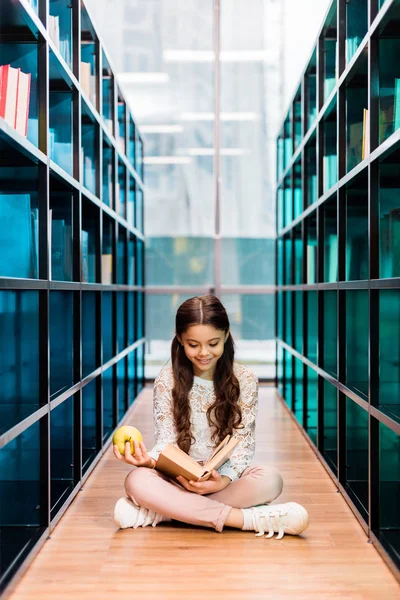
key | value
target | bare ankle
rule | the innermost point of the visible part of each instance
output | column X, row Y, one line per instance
column 235, row 519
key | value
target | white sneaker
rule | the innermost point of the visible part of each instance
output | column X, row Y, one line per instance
column 291, row 518
column 127, row 514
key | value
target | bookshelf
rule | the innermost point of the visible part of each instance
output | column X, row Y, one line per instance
column 71, row 268
column 338, row 260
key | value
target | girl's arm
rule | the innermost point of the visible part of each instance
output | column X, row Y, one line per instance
column 244, row 451
column 163, row 418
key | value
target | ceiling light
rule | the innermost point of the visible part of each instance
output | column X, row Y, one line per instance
column 224, row 116
column 211, row 151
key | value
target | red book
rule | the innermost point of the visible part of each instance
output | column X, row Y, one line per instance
column 8, row 94
column 21, row 117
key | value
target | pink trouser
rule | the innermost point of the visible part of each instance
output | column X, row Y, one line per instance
column 153, row 490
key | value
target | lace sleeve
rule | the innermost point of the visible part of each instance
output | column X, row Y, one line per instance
column 163, row 418
column 244, row 451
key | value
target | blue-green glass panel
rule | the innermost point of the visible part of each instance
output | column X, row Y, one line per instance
column 288, row 382
column 312, row 404
column 139, row 158
column 288, row 318
column 108, row 175
column 298, row 404
column 131, row 377
column 140, row 315
column 280, row 261
column 19, row 357
column 389, row 220
column 357, row 456
column 60, row 27
column 131, row 141
column 89, row 239
column 279, row 368
column 389, row 490
column 108, row 94
column 25, row 57
column 121, row 190
column 356, row 105
column 20, row 494
column 107, row 250
column 180, row 260
column 131, row 318
column 248, row 261
column 89, row 150
column 280, row 315
column 121, row 388
column 121, row 123
column 89, row 333
column 160, row 315
column 311, row 91
column 298, row 255
column 88, row 66
column 121, row 256
column 330, row 332
column 312, row 329
column 389, row 87
column 288, row 259
column 280, row 209
column 90, row 447
column 131, row 203
column 357, row 305
column 19, row 235
column 297, row 190
column 121, row 324
column 287, row 141
column 139, row 217
column 311, row 172
column 61, row 206
column 330, row 240
column 330, row 425
column 62, row 454
column 280, row 157
column 297, row 105
column 139, row 262
column 288, row 195
column 131, row 259
column 61, row 341
column 330, row 67
column 109, row 416
column 330, row 162
column 140, row 367
column 108, row 326
column 60, row 131
column 252, row 316
column 357, row 230
column 298, row 326
column 389, row 353
column 357, row 25
column 312, row 248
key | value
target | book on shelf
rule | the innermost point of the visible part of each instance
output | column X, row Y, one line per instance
column 15, row 87
column 173, row 461
column 311, row 263
column 106, row 266
column 396, row 108
column 85, row 78
column 85, row 255
column 355, row 144
column 16, row 243
column 54, row 30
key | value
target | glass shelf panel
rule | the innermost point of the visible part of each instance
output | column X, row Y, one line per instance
column 330, row 332
column 60, row 28
column 107, row 258
column 312, row 248
column 89, row 150
column 389, row 491
column 89, row 333
column 330, row 425
column 90, row 447
column 121, row 256
column 61, row 207
column 298, row 408
column 357, row 267
column 280, row 209
column 131, row 204
column 357, row 25
column 389, row 353
column 389, row 216
column 357, row 113
column 288, row 259
column 298, row 255
column 329, row 37
column 139, row 218
column 312, row 329
column 312, row 404
column 298, row 324
column 121, row 123
column 330, row 162
column 62, row 454
column 60, row 115
column 131, row 318
column 357, row 306
column 61, row 341
column 89, row 58
column 108, row 326
column 288, row 317
column 121, row 321
column 89, row 240
column 357, row 456
column 288, row 196
column 297, row 189
column 311, row 91
column 297, row 116
column 109, row 415
column 140, row 315
column 121, row 190
column 330, row 240
column 311, row 172
column 131, row 141
column 121, row 388
column 131, row 375
column 108, row 94
column 131, row 259
column 19, row 357
column 108, row 174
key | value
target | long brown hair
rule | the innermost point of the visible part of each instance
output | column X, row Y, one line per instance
column 225, row 414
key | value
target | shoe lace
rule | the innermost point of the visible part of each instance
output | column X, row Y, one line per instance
column 271, row 521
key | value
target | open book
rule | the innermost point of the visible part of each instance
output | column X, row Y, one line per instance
column 173, row 461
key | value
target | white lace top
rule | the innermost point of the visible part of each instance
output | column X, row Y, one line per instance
column 202, row 396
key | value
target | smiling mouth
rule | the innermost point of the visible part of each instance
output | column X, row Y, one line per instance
column 204, row 362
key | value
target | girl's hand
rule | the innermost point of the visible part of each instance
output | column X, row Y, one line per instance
column 139, row 459
column 215, row 483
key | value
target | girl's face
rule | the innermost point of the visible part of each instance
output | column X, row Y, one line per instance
column 203, row 345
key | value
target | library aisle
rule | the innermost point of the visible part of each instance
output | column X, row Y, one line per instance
column 88, row 557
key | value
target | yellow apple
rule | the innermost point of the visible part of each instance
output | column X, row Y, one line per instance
column 124, row 434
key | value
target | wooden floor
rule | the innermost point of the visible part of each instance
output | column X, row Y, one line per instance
column 88, row 559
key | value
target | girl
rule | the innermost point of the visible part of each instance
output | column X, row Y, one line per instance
column 199, row 399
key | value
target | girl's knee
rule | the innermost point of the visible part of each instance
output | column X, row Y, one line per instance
column 272, row 483
column 136, row 482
